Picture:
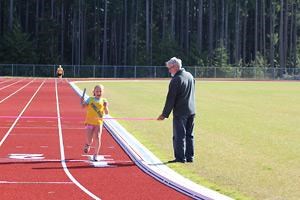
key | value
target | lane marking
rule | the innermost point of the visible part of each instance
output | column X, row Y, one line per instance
column 19, row 116
column 79, row 119
column 101, row 162
column 28, row 117
column 32, row 134
column 62, row 153
column 104, row 162
column 16, row 91
column 4, row 81
column 34, row 182
column 11, row 84
column 26, row 156
column 20, row 160
column 41, row 127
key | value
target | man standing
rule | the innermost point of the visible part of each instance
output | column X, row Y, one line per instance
column 181, row 99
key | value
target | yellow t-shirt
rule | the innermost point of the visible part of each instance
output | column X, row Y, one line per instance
column 95, row 111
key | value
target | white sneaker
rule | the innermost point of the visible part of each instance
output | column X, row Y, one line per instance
column 95, row 158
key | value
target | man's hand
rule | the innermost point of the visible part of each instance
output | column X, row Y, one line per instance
column 161, row 117
column 105, row 104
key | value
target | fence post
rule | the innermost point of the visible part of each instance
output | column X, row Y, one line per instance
column 215, row 73
column 293, row 72
column 154, row 71
column 12, row 69
column 134, row 71
column 33, row 70
column 73, row 71
column 115, row 71
column 94, row 73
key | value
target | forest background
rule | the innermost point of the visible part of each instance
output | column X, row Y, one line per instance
column 218, row 33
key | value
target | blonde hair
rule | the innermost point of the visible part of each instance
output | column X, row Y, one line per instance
column 98, row 86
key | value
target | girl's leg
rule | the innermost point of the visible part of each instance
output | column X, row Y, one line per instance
column 89, row 138
column 97, row 139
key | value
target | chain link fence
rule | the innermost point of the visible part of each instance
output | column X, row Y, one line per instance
column 93, row 71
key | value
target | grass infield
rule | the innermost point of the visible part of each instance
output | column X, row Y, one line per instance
column 246, row 133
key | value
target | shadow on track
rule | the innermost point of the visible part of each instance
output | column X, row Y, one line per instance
column 109, row 165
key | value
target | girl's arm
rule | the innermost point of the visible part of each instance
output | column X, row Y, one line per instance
column 83, row 102
column 106, row 110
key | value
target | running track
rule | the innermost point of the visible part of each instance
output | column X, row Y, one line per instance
column 41, row 139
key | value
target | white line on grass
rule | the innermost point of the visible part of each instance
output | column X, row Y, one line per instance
column 62, row 153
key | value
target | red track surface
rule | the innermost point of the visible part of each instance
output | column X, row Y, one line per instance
column 45, row 177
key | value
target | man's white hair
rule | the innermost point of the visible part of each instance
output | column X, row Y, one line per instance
column 174, row 61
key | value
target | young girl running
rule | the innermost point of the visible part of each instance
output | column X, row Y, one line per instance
column 96, row 107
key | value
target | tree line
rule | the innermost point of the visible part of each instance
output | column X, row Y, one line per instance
column 148, row 32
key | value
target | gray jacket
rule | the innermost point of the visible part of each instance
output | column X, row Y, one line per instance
column 181, row 95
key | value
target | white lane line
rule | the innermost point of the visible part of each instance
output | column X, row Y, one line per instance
column 34, row 182
column 22, row 160
column 22, row 156
column 10, row 84
column 19, row 116
column 32, row 134
column 41, row 127
column 4, row 81
column 62, row 153
column 15, row 91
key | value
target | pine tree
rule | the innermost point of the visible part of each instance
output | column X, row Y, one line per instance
column 16, row 47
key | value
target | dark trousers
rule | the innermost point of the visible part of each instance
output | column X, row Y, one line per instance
column 183, row 137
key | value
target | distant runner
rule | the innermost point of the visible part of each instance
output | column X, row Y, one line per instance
column 59, row 72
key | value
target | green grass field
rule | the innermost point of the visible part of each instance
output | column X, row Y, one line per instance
column 247, row 134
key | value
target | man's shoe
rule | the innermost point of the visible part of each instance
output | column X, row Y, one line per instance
column 189, row 160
